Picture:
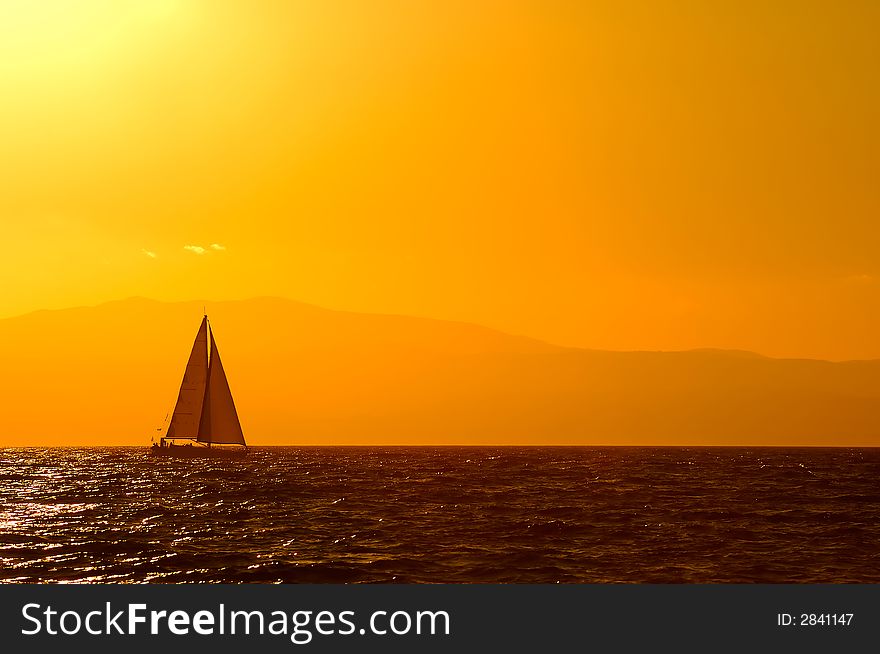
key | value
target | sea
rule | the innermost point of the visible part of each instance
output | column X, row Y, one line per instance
column 442, row 514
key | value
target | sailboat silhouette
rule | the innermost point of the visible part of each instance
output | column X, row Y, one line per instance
column 205, row 413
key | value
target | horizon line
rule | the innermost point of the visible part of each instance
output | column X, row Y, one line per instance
column 485, row 445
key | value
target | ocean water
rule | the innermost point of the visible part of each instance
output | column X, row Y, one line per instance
column 517, row 514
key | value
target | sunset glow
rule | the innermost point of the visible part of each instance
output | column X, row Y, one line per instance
column 594, row 174
column 601, row 175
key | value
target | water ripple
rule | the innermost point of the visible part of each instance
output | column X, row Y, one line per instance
column 534, row 515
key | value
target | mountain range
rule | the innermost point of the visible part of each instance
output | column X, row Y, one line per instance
column 301, row 374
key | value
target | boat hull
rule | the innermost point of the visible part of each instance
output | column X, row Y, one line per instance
column 197, row 452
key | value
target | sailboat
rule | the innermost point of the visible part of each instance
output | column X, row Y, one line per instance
column 204, row 422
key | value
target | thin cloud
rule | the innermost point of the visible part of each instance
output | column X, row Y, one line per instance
column 217, row 246
column 149, row 253
column 197, row 249
column 860, row 278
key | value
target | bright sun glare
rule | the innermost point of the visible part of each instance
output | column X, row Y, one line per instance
column 54, row 31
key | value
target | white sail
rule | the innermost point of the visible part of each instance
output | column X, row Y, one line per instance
column 219, row 421
column 188, row 410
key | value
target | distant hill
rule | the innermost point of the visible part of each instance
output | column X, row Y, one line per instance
column 306, row 375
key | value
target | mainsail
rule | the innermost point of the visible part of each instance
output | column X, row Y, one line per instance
column 219, row 419
column 188, row 410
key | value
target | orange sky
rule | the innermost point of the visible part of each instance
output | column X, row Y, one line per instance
column 603, row 174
